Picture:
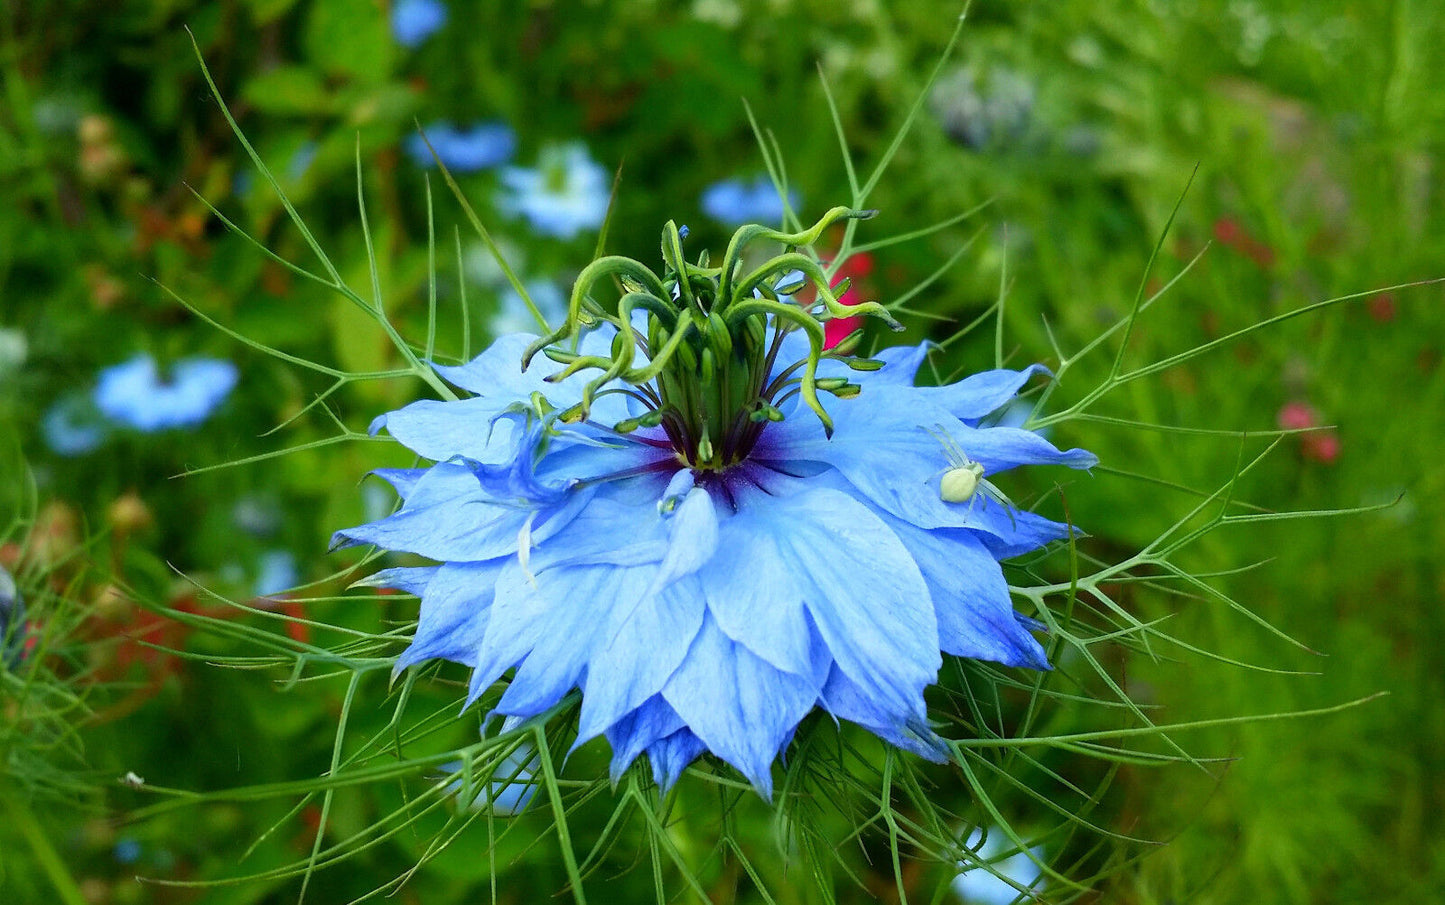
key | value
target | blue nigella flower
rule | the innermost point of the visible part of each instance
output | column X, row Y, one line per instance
column 680, row 525
column 135, row 395
column 564, row 195
column 978, row 885
column 734, row 202
column 470, row 150
column 413, row 21
column 72, row 426
column 12, row 621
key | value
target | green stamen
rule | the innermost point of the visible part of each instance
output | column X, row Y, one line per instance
column 706, row 380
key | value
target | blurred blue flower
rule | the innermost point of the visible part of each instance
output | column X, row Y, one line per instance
column 12, row 621
column 712, row 607
column 73, row 426
column 513, row 315
column 135, row 395
column 510, row 789
column 567, row 193
column 482, row 146
column 979, row 886
column 127, row 851
column 734, row 202
column 992, row 108
column 413, row 21
column 276, row 572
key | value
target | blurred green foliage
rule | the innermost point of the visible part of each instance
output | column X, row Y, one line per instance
column 1314, row 133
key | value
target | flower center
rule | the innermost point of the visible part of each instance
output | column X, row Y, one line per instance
column 699, row 347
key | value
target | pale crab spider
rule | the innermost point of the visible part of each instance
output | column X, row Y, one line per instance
column 963, row 480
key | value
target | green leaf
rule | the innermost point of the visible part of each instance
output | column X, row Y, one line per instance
column 350, row 38
column 288, row 90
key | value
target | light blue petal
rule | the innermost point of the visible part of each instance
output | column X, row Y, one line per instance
column 1001, row 448
column 407, row 579
column 900, row 367
column 639, row 641
column 979, row 394
column 1014, row 532
column 469, row 428
column 671, row 755
column 846, row 700
column 860, row 585
column 970, row 597
column 769, row 618
column 638, row 730
column 560, row 651
column 693, row 538
column 497, row 372
column 886, row 443
column 402, row 480
column 456, row 602
column 738, row 704
column 449, row 517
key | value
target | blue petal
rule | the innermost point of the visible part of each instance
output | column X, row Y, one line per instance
column 469, row 428
column 859, row 584
column 407, row 579
column 450, row 517
column 455, row 605
column 1014, row 532
column 736, row 703
column 886, row 444
column 671, row 755
column 769, row 618
column 977, row 395
column 652, row 721
column 846, row 700
column 639, row 641
column 970, row 597
column 693, row 531
column 1002, row 448
column 900, row 366
column 402, row 480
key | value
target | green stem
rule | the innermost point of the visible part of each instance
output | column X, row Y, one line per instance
column 45, row 854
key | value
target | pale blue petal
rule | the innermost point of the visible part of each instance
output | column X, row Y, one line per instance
column 639, row 639
column 970, row 597
column 887, row 444
column 845, row 700
column 558, row 656
column 977, row 395
column 693, row 538
column 450, row 517
column 860, row 585
column 768, row 617
column 407, row 579
column 402, row 480
column 638, row 730
column 1014, row 532
column 455, row 605
column 900, row 367
column 469, row 428
column 1002, row 448
column 497, row 372
column 737, row 704
column 671, row 755
column 518, row 619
